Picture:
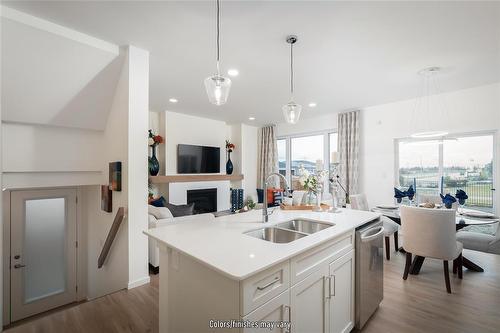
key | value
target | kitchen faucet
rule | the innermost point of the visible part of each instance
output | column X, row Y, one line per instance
column 265, row 215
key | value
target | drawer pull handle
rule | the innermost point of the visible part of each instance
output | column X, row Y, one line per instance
column 276, row 279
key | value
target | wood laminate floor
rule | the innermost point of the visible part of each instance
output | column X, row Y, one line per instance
column 419, row 304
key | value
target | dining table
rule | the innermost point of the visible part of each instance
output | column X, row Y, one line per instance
column 462, row 220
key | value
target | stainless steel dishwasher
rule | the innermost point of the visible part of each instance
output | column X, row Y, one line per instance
column 369, row 270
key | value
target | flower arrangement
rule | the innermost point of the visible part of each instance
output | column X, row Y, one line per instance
column 154, row 139
column 229, row 146
column 312, row 182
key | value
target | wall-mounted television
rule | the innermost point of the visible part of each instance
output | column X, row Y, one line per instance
column 198, row 159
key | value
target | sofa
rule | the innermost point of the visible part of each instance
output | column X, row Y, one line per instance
column 484, row 238
column 159, row 217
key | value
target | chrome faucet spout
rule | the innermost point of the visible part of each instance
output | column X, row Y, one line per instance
column 265, row 214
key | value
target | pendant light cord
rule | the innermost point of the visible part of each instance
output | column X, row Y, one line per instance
column 291, row 69
column 218, row 37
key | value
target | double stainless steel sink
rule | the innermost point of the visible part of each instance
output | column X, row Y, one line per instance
column 289, row 231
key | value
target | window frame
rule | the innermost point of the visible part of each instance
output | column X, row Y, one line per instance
column 492, row 133
column 326, row 148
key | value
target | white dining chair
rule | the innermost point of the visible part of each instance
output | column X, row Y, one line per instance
column 431, row 233
column 359, row 202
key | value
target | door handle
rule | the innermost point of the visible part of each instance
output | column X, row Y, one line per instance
column 17, row 266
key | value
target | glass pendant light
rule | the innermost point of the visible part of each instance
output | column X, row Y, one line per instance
column 218, row 86
column 291, row 110
column 424, row 113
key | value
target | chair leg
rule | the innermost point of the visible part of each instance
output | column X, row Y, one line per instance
column 387, row 248
column 455, row 266
column 407, row 265
column 460, row 266
column 396, row 243
column 447, row 276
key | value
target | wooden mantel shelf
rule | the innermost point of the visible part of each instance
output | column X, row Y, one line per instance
column 193, row 178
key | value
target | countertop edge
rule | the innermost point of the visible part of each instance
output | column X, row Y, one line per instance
column 260, row 269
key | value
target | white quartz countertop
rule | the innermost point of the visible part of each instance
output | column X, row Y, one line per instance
column 221, row 244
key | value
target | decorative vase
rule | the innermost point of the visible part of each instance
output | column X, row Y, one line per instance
column 229, row 164
column 154, row 165
column 310, row 198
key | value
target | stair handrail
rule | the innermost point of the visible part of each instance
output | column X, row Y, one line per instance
column 120, row 214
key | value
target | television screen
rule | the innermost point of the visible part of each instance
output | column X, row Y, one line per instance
column 198, row 159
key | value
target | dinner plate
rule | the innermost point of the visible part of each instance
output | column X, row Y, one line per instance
column 478, row 214
column 387, row 206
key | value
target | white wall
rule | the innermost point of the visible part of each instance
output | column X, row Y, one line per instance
column 44, row 155
column 48, row 148
column 125, row 140
column 186, row 129
column 179, row 128
column 471, row 110
column 138, row 273
column 113, row 275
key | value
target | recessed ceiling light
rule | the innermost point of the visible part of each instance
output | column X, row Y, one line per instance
column 173, row 100
column 312, row 105
column 233, row 72
column 251, row 118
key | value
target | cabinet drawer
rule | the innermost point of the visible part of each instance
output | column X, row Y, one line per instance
column 306, row 263
column 260, row 288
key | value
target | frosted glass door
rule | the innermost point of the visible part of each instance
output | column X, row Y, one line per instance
column 44, row 248
column 43, row 267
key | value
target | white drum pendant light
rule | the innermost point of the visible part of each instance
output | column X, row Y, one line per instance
column 218, row 86
column 291, row 110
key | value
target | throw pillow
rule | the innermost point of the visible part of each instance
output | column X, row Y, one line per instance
column 159, row 212
column 160, row 202
column 180, row 210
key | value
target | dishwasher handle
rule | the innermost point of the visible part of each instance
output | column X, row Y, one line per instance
column 372, row 233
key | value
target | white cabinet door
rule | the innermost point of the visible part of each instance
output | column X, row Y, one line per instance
column 274, row 312
column 308, row 301
column 341, row 290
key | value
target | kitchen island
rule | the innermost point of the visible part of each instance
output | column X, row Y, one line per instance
column 220, row 273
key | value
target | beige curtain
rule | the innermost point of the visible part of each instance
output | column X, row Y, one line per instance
column 348, row 147
column 268, row 154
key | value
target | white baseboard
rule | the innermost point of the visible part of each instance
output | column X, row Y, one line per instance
column 138, row 282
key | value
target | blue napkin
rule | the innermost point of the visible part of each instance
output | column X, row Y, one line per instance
column 399, row 195
column 410, row 192
column 448, row 200
column 461, row 196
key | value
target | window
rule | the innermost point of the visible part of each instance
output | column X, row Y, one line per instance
column 333, row 139
column 304, row 150
column 443, row 166
column 419, row 166
column 282, row 156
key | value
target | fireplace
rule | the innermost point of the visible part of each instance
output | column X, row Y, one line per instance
column 205, row 200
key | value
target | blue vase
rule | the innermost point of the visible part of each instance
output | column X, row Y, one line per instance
column 229, row 164
column 154, row 165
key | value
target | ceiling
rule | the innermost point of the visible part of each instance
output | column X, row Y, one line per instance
column 54, row 80
column 349, row 54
